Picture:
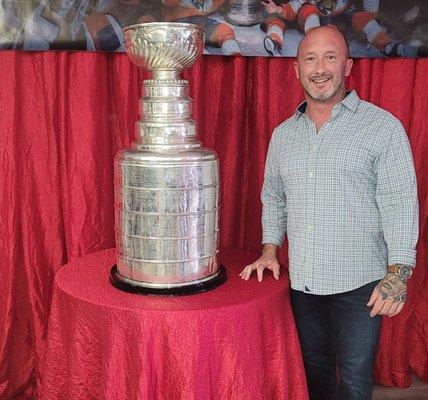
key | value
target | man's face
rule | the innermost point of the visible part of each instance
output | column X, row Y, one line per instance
column 322, row 65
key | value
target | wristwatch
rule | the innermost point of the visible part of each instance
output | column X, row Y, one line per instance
column 403, row 271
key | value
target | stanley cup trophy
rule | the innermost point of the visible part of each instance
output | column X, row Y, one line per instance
column 166, row 185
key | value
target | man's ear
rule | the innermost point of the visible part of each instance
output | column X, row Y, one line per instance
column 296, row 70
column 348, row 66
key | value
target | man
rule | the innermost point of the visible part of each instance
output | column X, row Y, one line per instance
column 340, row 181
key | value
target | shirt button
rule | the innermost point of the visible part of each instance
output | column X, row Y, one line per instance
column 310, row 228
column 309, row 253
column 311, row 174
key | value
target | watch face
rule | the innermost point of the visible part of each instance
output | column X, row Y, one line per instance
column 405, row 272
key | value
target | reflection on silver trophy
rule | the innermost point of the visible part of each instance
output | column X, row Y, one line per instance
column 166, row 185
column 244, row 12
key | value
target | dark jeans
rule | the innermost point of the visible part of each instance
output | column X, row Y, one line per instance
column 338, row 340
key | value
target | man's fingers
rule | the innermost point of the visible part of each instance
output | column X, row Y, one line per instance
column 373, row 297
column 385, row 310
column 242, row 273
column 399, row 308
column 260, row 265
column 249, row 271
column 246, row 272
column 260, row 273
column 393, row 309
column 377, row 307
column 275, row 271
column 385, row 307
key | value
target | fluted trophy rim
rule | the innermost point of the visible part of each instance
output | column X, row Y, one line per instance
column 166, row 24
column 146, row 50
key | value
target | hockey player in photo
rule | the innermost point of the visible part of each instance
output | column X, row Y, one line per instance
column 72, row 24
column 217, row 34
column 280, row 14
column 408, row 22
column 360, row 14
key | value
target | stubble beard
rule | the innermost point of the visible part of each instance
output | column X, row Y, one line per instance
column 326, row 95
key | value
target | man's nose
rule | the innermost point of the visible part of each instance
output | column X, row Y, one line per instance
column 320, row 66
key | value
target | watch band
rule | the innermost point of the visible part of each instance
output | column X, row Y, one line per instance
column 404, row 272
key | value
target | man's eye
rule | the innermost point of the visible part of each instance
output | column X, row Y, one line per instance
column 310, row 59
column 331, row 57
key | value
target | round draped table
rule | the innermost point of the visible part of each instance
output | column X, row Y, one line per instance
column 238, row 341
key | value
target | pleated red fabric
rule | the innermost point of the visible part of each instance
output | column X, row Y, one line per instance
column 238, row 342
column 64, row 115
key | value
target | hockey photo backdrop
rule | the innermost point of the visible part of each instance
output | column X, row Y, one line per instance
column 374, row 28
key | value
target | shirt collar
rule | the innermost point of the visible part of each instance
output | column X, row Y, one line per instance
column 351, row 102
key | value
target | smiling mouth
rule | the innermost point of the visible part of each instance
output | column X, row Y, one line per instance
column 323, row 80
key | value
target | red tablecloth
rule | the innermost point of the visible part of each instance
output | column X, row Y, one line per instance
column 238, row 341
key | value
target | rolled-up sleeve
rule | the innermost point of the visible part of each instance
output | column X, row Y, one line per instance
column 274, row 216
column 396, row 195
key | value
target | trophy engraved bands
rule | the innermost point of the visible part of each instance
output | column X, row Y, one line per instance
column 167, row 184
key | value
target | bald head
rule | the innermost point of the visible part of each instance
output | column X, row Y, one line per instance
column 327, row 32
column 323, row 63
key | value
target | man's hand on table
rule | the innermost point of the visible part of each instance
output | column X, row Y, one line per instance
column 268, row 260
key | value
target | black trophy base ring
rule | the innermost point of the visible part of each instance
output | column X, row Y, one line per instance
column 192, row 288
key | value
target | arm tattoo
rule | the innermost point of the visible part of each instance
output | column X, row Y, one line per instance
column 392, row 287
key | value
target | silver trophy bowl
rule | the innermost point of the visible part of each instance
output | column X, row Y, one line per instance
column 167, row 185
column 164, row 46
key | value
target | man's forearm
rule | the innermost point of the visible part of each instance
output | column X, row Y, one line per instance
column 270, row 248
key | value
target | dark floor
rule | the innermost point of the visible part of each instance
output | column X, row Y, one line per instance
column 418, row 391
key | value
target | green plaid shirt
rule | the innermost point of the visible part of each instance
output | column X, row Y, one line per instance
column 346, row 197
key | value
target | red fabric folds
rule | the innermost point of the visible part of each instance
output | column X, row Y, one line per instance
column 64, row 115
column 233, row 343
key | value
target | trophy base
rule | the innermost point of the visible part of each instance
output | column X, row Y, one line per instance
column 214, row 281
